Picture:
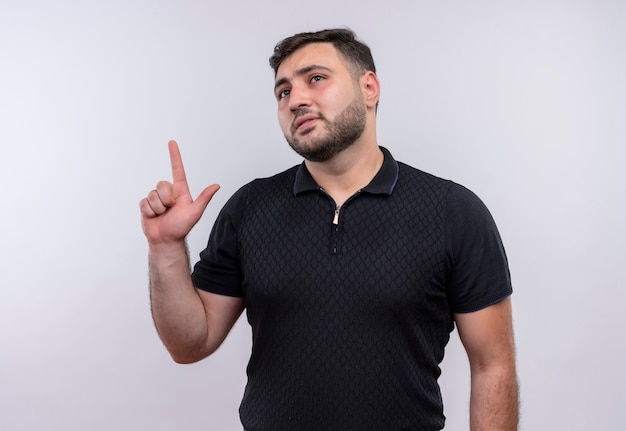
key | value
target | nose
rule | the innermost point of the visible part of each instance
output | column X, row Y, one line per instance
column 299, row 97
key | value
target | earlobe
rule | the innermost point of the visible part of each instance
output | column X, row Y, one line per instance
column 371, row 88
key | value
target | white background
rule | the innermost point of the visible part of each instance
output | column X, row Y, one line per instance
column 522, row 102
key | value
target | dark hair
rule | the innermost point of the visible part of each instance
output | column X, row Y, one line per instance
column 355, row 52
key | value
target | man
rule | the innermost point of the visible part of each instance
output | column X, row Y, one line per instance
column 352, row 267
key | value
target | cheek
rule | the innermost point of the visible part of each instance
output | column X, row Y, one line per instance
column 334, row 101
column 284, row 120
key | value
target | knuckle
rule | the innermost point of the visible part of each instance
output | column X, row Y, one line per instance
column 146, row 208
column 152, row 197
column 163, row 185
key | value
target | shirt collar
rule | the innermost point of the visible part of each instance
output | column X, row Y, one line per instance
column 383, row 183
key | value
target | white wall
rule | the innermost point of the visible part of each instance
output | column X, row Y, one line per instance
column 523, row 102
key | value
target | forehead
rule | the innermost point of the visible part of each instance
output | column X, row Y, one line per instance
column 320, row 54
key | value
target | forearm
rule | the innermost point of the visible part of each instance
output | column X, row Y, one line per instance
column 494, row 399
column 177, row 310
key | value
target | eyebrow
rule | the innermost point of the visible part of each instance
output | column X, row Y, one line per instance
column 300, row 72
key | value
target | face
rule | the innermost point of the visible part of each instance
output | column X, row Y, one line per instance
column 321, row 109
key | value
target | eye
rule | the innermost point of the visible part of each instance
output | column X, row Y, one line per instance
column 283, row 93
column 317, row 78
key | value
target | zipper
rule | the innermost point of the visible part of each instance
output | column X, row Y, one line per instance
column 334, row 249
column 336, row 232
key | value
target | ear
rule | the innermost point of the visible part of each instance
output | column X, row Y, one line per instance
column 370, row 86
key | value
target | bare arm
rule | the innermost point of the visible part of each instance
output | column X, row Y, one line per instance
column 488, row 339
column 191, row 323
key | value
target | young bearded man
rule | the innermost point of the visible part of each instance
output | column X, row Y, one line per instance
column 352, row 267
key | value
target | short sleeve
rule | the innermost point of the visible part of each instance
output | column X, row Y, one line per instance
column 478, row 268
column 218, row 270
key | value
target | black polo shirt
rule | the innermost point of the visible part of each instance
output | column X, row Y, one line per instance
column 350, row 314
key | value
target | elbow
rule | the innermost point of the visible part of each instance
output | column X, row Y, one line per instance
column 188, row 356
column 498, row 368
column 183, row 360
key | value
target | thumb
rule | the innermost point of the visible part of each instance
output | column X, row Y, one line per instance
column 205, row 197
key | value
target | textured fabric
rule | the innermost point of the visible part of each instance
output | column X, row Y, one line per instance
column 350, row 320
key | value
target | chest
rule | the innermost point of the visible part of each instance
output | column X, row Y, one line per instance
column 377, row 255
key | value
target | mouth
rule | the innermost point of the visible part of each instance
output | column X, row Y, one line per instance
column 304, row 122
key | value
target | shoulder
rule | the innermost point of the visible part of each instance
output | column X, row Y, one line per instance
column 464, row 206
column 460, row 208
column 259, row 192
column 456, row 196
column 279, row 182
column 423, row 188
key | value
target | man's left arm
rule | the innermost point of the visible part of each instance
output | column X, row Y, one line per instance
column 487, row 336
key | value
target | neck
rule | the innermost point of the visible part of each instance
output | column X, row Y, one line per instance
column 349, row 171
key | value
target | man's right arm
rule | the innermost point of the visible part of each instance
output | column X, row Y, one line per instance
column 191, row 323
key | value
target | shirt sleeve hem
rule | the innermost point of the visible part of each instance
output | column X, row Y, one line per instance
column 477, row 307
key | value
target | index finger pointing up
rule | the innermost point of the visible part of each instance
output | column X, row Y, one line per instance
column 178, row 170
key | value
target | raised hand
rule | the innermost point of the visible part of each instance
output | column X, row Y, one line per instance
column 169, row 213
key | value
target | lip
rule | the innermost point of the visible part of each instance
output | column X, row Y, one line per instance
column 305, row 121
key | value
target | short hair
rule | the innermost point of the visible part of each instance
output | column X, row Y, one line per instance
column 354, row 51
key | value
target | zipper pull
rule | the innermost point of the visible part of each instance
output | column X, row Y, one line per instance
column 336, row 218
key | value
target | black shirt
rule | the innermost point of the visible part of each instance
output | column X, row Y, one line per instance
column 350, row 314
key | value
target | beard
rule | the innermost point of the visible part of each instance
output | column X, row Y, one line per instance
column 340, row 133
